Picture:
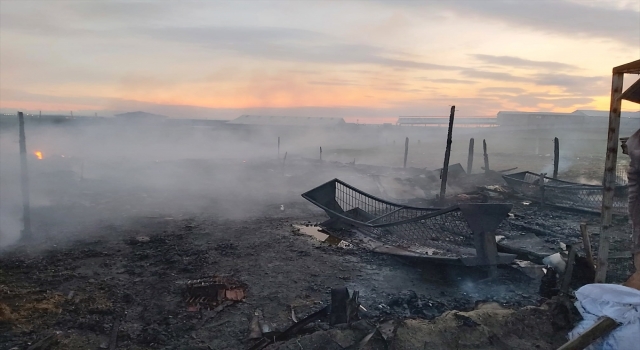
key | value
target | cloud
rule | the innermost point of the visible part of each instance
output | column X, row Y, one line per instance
column 568, row 18
column 529, row 100
column 517, row 62
column 566, row 80
column 449, row 81
column 498, row 76
column 335, row 82
column 285, row 44
column 502, row 90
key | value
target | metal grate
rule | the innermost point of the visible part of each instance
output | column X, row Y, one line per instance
column 566, row 194
column 443, row 232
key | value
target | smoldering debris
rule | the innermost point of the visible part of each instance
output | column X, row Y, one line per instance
column 121, row 230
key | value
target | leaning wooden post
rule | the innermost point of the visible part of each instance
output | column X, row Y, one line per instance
column 470, row 158
column 284, row 160
column 586, row 243
column 486, row 156
column 609, row 178
column 406, row 151
column 599, row 329
column 568, row 271
column 556, row 157
column 447, row 153
column 26, row 208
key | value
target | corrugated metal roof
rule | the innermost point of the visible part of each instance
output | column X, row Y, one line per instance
column 283, row 120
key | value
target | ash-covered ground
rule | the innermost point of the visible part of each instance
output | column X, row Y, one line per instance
column 121, row 239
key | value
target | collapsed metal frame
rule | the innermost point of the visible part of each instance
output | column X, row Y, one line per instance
column 461, row 233
column 565, row 194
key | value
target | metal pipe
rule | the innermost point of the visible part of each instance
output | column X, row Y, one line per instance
column 447, row 154
column 24, row 177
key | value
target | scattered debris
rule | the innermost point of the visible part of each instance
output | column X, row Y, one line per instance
column 322, row 235
column 255, row 331
column 209, row 314
column 46, row 342
column 462, row 233
column 210, row 292
column 113, row 341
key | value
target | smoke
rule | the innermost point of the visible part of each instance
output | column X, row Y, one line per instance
column 97, row 172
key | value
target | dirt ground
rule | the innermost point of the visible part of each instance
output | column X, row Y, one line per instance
column 128, row 253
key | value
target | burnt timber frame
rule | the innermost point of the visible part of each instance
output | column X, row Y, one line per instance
column 608, row 181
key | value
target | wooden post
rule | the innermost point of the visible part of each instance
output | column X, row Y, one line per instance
column 320, row 152
column 406, row 151
column 556, row 157
column 568, row 271
column 609, row 177
column 470, row 158
column 541, row 186
column 447, row 154
column 284, row 160
column 486, row 156
column 278, row 147
column 26, row 207
column 586, row 243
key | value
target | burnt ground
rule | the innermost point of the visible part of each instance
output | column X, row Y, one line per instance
column 104, row 252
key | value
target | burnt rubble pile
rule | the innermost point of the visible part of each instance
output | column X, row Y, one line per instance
column 471, row 263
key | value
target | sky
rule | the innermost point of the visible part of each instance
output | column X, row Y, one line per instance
column 369, row 61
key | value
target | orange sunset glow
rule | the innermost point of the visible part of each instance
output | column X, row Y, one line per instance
column 372, row 60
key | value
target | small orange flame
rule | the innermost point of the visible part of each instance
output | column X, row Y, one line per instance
column 38, row 154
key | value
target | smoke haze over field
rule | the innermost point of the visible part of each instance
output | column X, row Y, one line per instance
column 101, row 171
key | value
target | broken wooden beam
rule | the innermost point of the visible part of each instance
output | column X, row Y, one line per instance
column 599, row 329
column 406, row 151
column 586, row 243
column 486, row 156
column 568, row 271
column 447, row 154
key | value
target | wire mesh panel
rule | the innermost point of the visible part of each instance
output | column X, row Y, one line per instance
column 566, row 194
column 435, row 231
